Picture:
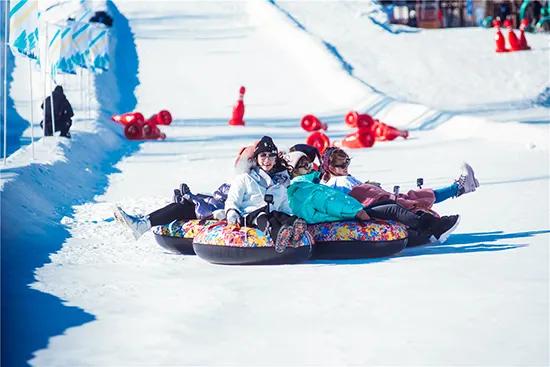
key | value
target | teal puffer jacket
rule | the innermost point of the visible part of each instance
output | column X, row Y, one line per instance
column 317, row 203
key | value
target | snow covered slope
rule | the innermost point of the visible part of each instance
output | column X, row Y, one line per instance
column 454, row 70
column 463, row 302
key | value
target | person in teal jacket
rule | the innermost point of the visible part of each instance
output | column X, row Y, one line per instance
column 317, row 203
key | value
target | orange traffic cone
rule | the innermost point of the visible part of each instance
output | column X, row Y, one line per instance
column 238, row 110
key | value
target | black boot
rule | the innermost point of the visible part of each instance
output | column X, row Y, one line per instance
column 177, row 196
column 444, row 226
column 185, row 189
column 427, row 221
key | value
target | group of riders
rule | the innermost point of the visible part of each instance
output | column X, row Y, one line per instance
column 282, row 193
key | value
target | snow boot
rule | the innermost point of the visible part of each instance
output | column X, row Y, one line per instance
column 177, row 196
column 283, row 238
column 443, row 228
column 467, row 181
column 137, row 225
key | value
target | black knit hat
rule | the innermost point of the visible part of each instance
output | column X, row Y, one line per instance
column 265, row 145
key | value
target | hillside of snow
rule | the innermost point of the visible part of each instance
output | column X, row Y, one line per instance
column 96, row 295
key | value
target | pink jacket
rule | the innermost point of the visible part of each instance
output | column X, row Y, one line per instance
column 369, row 194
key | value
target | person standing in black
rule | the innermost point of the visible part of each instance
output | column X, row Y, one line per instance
column 63, row 112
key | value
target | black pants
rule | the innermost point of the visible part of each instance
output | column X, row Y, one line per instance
column 260, row 219
column 62, row 126
column 393, row 211
column 172, row 212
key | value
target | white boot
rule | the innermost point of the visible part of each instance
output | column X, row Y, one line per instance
column 467, row 181
column 138, row 225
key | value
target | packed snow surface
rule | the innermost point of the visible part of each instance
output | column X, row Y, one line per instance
column 481, row 298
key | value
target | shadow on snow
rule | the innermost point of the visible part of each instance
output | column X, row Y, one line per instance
column 29, row 317
column 456, row 244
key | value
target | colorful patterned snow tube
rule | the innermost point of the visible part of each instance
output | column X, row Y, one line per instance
column 178, row 235
column 222, row 244
column 357, row 240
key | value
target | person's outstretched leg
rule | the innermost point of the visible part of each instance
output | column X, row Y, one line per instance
column 440, row 228
column 172, row 212
column 445, row 193
column 464, row 184
column 400, row 214
column 137, row 225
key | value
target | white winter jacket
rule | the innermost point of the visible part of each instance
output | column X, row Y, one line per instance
column 342, row 183
column 247, row 192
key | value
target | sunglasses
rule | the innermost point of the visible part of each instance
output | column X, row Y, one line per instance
column 306, row 166
column 343, row 165
column 267, row 155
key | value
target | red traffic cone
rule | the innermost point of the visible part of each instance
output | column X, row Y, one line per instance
column 522, row 40
column 319, row 140
column 351, row 119
column 238, row 110
column 354, row 119
column 312, row 123
column 385, row 132
column 512, row 38
column 151, row 131
column 499, row 37
column 133, row 131
column 128, row 118
column 392, row 133
column 362, row 138
column 162, row 118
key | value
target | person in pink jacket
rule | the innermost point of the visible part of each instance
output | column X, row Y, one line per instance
column 335, row 163
column 317, row 203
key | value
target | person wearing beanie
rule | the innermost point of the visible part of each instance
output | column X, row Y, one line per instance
column 311, row 152
column 265, row 176
column 298, row 163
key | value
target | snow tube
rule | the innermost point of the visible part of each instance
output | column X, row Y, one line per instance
column 417, row 238
column 230, row 245
column 178, row 235
column 357, row 240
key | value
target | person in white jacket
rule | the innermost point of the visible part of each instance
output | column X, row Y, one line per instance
column 258, row 198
